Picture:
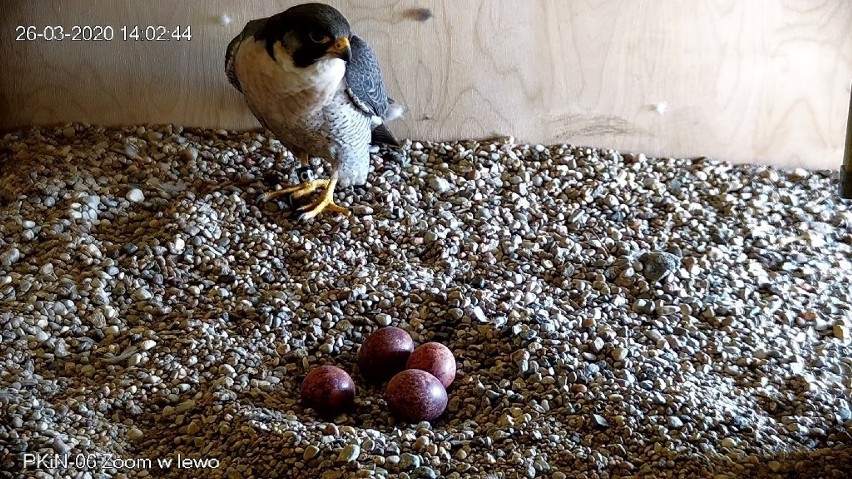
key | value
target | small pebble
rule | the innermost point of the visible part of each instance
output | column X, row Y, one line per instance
column 310, row 452
column 440, row 185
column 135, row 195
column 349, row 453
column 134, row 434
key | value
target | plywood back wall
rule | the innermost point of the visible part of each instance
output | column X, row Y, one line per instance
column 750, row 81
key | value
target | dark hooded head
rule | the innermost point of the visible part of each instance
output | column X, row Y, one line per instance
column 309, row 32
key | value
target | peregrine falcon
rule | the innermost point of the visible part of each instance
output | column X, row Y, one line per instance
column 318, row 88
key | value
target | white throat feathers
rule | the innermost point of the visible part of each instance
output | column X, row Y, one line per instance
column 324, row 76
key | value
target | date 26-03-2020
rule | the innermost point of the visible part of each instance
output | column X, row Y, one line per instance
column 97, row 33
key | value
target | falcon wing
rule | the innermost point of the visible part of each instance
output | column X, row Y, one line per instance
column 364, row 79
column 230, row 54
column 367, row 89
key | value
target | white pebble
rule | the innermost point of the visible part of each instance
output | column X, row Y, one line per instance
column 135, row 195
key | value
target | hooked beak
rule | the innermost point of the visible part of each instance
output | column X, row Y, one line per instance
column 340, row 49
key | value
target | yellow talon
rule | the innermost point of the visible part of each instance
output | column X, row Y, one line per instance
column 324, row 203
column 295, row 191
column 304, row 189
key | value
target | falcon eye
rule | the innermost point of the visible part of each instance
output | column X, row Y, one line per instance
column 318, row 37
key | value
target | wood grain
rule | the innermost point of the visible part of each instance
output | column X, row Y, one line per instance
column 750, row 81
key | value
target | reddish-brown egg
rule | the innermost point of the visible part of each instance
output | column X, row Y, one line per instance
column 414, row 395
column 329, row 390
column 436, row 359
column 384, row 353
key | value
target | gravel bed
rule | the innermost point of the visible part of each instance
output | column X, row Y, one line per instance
column 612, row 315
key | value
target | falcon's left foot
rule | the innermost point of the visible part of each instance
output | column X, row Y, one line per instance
column 324, row 203
column 295, row 191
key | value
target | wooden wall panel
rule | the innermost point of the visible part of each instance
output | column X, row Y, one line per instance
column 750, row 81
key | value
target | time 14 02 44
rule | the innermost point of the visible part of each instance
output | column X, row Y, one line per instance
column 156, row 33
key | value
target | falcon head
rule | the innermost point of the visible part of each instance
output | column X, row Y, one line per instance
column 307, row 33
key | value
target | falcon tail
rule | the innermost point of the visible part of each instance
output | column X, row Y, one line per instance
column 381, row 133
column 383, row 136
